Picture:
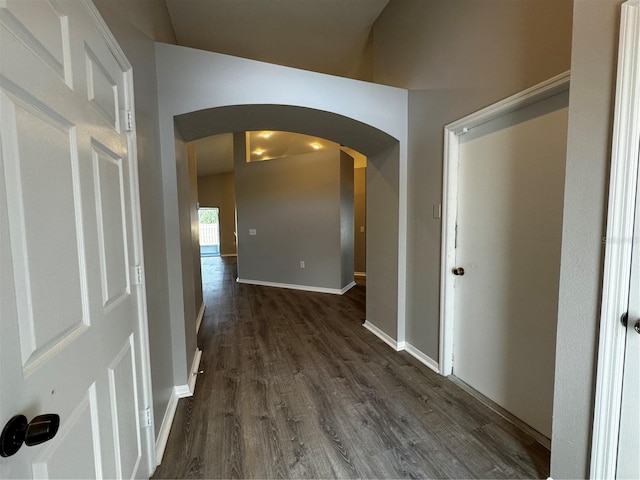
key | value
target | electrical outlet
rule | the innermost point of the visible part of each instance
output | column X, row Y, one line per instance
column 301, row 263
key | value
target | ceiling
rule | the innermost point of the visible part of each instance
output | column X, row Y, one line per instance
column 215, row 154
column 327, row 36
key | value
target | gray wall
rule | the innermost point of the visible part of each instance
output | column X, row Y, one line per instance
column 459, row 58
column 219, row 191
column 208, row 93
column 294, row 204
column 382, row 239
column 360, row 209
column 136, row 26
column 456, row 56
column 347, row 257
column 184, row 298
column 591, row 102
column 194, row 222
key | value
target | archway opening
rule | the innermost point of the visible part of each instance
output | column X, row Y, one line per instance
column 382, row 183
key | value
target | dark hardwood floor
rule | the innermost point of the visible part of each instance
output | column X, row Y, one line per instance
column 295, row 387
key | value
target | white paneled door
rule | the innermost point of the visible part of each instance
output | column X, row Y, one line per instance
column 72, row 314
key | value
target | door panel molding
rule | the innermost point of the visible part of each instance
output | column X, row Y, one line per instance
column 623, row 185
column 452, row 132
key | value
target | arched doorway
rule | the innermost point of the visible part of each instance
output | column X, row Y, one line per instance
column 203, row 94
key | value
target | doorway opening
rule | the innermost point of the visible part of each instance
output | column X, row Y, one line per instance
column 209, row 223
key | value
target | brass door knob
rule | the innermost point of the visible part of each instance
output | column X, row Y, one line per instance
column 458, row 271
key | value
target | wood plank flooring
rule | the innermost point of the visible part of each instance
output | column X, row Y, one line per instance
column 295, row 387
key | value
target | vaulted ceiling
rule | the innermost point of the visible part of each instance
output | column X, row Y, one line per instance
column 326, row 36
column 329, row 36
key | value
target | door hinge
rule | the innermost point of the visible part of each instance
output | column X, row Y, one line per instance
column 137, row 275
column 146, row 417
column 129, row 121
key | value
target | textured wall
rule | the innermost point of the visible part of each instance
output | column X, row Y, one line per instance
column 591, row 101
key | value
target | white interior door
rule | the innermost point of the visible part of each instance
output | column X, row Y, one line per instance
column 69, row 339
column 628, row 466
column 509, row 225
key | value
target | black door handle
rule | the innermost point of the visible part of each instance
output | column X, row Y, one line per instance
column 18, row 431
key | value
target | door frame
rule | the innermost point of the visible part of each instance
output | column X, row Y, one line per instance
column 623, row 186
column 143, row 375
column 452, row 133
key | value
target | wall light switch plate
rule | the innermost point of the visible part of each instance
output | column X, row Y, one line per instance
column 252, row 231
column 301, row 263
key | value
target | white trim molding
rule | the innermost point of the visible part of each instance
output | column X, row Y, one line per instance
column 200, row 317
column 452, row 132
column 305, row 288
column 194, row 372
column 383, row 336
column 618, row 247
column 167, row 421
column 400, row 346
column 178, row 392
column 422, row 357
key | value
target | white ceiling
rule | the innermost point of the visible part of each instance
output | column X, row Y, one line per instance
column 327, row 36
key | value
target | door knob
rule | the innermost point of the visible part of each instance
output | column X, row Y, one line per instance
column 636, row 327
column 458, row 271
column 18, row 431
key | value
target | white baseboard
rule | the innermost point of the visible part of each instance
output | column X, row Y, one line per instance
column 229, row 255
column 306, row 288
column 381, row 335
column 422, row 357
column 347, row 288
column 193, row 373
column 178, row 392
column 399, row 346
column 359, row 274
column 200, row 317
column 167, row 421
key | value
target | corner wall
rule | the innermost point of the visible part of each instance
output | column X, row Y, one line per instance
column 591, row 103
column 182, row 300
column 295, row 206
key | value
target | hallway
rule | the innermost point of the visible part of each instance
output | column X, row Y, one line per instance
column 295, row 387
